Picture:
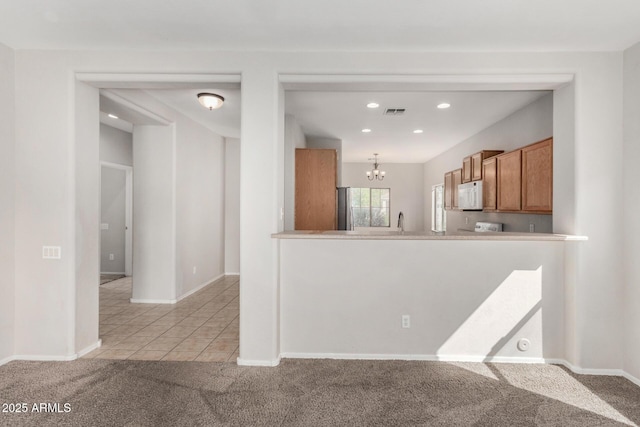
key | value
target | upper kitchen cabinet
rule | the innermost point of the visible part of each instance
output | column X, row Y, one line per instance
column 472, row 165
column 489, row 184
column 537, row 177
column 451, row 181
column 466, row 169
column 476, row 162
column 448, row 190
column 315, row 193
column 509, row 180
column 456, row 177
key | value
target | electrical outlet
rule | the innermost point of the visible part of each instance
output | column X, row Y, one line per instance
column 281, row 214
column 406, row 321
column 466, row 220
column 194, row 269
column 112, row 257
column 532, row 228
column 523, row 344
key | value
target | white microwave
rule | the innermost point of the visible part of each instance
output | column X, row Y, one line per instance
column 470, row 196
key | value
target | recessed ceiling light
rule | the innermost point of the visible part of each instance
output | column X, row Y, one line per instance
column 113, row 116
column 417, row 131
column 373, row 105
column 444, row 105
column 366, row 130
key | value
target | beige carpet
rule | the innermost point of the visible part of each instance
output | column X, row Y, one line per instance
column 314, row 393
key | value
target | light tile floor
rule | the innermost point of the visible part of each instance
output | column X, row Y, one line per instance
column 202, row 327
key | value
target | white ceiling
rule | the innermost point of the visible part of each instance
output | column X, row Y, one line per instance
column 381, row 25
column 224, row 121
column 343, row 115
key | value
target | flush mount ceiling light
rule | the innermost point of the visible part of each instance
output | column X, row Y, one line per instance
column 210, row 100
column 373, row 105
column 375, row 173
column 444, row 105
column 366, row 130
column 113, row 116
column 418, row 131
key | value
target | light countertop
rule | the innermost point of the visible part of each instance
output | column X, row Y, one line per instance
column 422, row 235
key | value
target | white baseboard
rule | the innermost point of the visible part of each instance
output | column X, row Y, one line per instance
column 419, row 357
column 588, row 371
column 267, row 363
column 153, row 301
column 112, row 272
column 231, row 274
column 47, row 358
column 196, row 289
column 459, row 358
column 631, row 378
column 7, row 360
column 90, row 348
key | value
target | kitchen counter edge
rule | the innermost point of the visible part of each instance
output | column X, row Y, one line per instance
column 412, row 235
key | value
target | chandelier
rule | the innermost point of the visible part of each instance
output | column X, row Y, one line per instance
column 375, row 173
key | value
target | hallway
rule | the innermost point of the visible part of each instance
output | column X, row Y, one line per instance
column 202, row 327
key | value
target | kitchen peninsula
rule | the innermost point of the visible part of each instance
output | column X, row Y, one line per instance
column 424, row 296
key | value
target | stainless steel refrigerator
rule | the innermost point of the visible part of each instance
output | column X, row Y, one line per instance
column 345, row 213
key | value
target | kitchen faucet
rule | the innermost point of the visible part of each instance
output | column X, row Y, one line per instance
column 401, row 222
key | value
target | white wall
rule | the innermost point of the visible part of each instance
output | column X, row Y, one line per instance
column 44, row 208
column 112, row 212
column 232, row 206
column 630, row 208
column 86, row 218
column 115, row 146
column 44, row 193
column 293, row 138
column 200, row 177
column 7, row 182
column 196, row 157
column 406, row 182
column 154, row 217
column 530, row 124
column 354, row 308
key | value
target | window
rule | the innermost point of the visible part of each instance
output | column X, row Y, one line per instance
column 438, row 215
column 370, row 207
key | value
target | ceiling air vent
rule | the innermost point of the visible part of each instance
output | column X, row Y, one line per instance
column 394, row 111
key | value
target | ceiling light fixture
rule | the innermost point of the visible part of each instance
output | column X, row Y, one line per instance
column 375, row 173
column 113, row 116
column 444, row 105
column 373, row 105
column 418, row 131
column 366, row 130
column 210, row 100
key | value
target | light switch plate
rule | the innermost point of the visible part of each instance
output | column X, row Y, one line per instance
column 51, row 252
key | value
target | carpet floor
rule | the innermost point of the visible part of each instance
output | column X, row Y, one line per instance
column 313, row 393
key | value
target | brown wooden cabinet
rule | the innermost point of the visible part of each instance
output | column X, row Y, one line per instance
column 457, row 180
column 509, row 181
column 451, row 181
column 466, row 169
column 489, row 184
column 315, row 193
column 476, row 162
column 537, row 177
column 448, row 190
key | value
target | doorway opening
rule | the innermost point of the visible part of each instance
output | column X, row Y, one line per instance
column 176, row 300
